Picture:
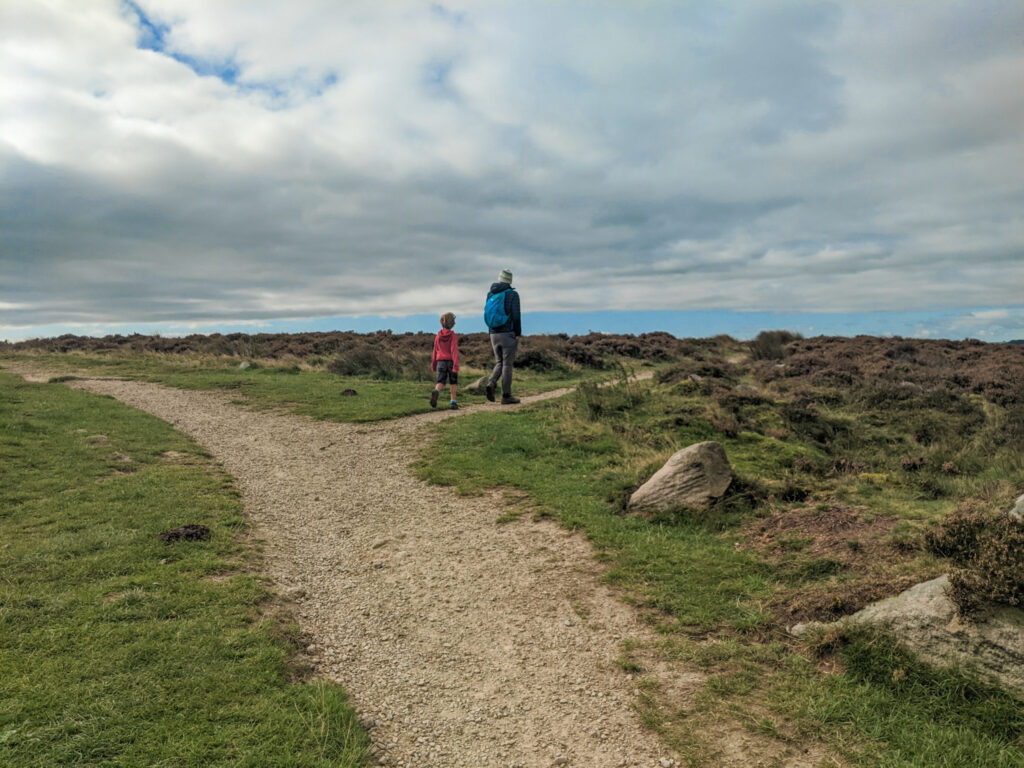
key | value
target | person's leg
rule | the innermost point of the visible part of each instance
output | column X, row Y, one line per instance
column 498, row 358
column 442, row 377
column 509, row 346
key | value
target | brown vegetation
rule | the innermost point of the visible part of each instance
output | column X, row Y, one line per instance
column 810, row 541
column 988, row 553
column 902, row 368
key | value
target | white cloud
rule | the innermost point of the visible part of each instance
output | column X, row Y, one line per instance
column 998, row 322
column 275, row 159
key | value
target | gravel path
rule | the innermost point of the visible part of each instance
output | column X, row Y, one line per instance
column 463, row 643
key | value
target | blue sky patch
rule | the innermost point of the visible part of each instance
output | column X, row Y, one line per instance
column 153, row 37
column 152, row 34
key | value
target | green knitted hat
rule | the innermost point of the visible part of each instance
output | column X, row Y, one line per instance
column 505, row 276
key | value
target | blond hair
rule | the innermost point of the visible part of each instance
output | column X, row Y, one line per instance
column 448, row 320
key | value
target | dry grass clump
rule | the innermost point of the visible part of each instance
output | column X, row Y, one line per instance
column 377, row 361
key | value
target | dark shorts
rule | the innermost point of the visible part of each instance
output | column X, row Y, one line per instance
column 445, row 374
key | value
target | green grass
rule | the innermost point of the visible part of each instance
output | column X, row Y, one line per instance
column 910, row 714
column 577, row 460
column 116, row 649
column 313, row 393
column 690, row 570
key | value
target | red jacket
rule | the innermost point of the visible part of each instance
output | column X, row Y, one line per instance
column 446, row 347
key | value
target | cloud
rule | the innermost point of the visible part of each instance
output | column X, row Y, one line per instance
column 990, row 324
column 190, row 162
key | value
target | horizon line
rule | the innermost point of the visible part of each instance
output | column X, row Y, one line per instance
column 992, row 324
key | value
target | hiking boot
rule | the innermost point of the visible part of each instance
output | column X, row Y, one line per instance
column 454, row 406
column 509, row 400
column 433, row 398
column 489, row 392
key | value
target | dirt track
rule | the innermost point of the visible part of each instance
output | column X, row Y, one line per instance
column 463, row 643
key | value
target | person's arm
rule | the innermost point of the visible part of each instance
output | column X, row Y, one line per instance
column 433, row 357
column 455, row 353
column 517, row 323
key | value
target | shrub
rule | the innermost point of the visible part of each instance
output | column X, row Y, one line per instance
column 601, row 402
column 988, row 552
column 726, row 424
column 805, row 420
column 912, row 463
column 375, row 362
column 583, row 355
column 771, row 345
column 540, row 360
column 957, row 535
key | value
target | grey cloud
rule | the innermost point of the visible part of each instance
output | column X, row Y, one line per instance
column 671, row 156
column 775, row 55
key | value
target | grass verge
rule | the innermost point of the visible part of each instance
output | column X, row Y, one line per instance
column 117, row 649
column 300, row 389
column 719, row 597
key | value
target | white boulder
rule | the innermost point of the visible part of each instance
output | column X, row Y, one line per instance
column 692, row 477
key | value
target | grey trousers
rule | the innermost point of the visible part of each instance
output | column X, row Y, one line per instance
column 504, row 346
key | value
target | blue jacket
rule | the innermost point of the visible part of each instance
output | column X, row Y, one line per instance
column 515, row 323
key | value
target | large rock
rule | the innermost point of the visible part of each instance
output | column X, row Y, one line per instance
column 925, row 620
column 1017, row 513
column 693, row 477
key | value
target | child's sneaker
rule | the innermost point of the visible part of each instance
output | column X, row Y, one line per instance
column 509, row 400
column 454, row 406
column 433, row 398
column 489, row 392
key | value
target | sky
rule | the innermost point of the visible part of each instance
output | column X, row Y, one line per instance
column 177, row 166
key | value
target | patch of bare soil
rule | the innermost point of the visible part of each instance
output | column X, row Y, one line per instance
column 838, row 531
column 838, row 538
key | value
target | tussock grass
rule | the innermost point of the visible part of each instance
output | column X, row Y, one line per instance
column 116, row 649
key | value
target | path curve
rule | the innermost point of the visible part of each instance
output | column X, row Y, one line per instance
column 463, row 643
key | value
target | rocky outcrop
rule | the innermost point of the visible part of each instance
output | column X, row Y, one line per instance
column 692, row 477
column 925, row 620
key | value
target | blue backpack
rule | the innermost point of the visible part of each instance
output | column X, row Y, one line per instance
column 494, row 310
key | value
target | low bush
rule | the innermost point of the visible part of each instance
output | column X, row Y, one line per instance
column 987, row 551
column 598, row 402
column 375, row 362
column 544, row 360
column 771, row 345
